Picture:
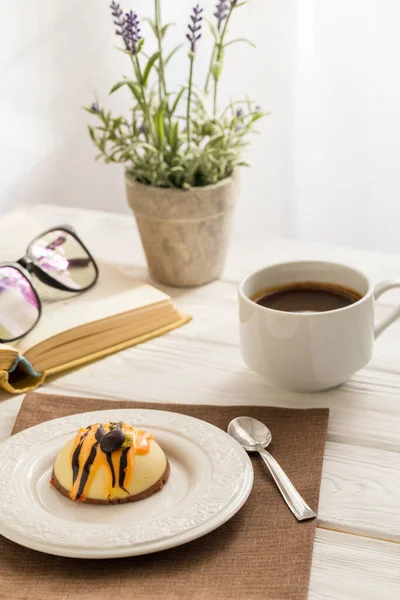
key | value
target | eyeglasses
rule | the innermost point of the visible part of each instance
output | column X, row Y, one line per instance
column 57, row 258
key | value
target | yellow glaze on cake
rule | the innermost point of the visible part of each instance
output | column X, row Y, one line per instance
column 142, row 466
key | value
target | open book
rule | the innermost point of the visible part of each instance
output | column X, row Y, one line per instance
column 74, row 329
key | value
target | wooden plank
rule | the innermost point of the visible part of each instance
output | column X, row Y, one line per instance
column 347, row 567
column 8, row 412
column 360, row 491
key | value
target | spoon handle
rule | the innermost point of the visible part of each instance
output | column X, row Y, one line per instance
column 295, row 502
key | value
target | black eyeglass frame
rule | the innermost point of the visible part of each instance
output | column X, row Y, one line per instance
column 28, row 264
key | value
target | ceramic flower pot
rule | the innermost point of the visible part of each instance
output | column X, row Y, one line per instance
column 185, row 233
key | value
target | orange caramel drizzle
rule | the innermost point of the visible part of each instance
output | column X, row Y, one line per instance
column 86, row 441
column 141, row 445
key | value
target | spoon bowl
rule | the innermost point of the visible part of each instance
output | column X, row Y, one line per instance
column 250, row 433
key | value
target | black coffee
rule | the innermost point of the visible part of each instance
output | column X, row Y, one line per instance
column 307, row 296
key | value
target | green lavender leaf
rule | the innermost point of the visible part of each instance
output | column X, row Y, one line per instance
column 165, row 28
column 149, row 65
column 256, row 117
column 214, row 30
column 136, row 91
column 89, row 110
column 92, row 133
column 117, row 86
column 200, row 100
column 152, row 24
column 215, row 140
column 159, row 124
column 174, row 136
column 172, row 53
column 149, row 147
column 134, row 88
column 176, row 102
column 235, row 41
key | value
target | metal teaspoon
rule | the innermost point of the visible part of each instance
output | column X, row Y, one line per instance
column 254, row 436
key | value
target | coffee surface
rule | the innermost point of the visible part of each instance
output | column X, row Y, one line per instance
column 307, row 296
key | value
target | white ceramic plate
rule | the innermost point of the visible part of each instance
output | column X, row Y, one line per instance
column 211, row 478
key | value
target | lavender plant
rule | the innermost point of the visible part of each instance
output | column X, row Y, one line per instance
column 174, row 139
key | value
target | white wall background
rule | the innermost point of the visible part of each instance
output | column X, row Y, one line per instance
column 347, row 122
column 325, row 165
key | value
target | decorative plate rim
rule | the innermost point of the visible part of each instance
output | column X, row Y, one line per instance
column 222, row 497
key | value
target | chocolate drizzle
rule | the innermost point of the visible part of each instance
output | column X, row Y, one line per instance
column 123, row 462
column 75, row 456
column 110, row 464
column 86, row 470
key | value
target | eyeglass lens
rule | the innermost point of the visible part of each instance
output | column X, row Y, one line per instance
column 19, row 307
column 60, row 255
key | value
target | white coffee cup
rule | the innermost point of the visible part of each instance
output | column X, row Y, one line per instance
column 309, row 351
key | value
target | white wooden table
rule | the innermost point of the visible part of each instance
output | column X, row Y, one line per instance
column 357, row 545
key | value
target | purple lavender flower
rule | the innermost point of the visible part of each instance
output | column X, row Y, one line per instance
column 221, row 12
column 127, row 27
column 234, row 2
column 239, row 114
column 94, row 107
column 131, row 32
column 117, row 13
column 195, row 27
column 142, row 128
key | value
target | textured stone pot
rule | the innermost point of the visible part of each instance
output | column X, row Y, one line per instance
column 185, row 233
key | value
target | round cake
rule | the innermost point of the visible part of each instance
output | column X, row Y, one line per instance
column 110, row 463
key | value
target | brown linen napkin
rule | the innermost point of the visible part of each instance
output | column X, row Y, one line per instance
column 263, row 553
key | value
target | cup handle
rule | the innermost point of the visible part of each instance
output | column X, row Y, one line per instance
column 381, row 288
